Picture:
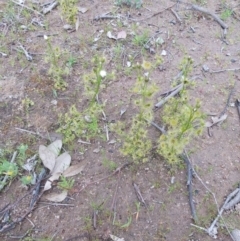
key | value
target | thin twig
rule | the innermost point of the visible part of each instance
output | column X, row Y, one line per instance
column 228, row 100
column 223, row 70
column 49, row 8
column 189, row 185
column 139, row 195
column 164, row 100
column 22, row 5
column 237, row 104
column 176, row 15
column 30, row 132
column 206, row 11
column 114, row 203
column 155, row 14
column 210, row 230
column 57, row 204
column 158, row 127
column 101, row 179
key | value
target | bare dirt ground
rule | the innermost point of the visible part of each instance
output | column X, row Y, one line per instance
column 215, row 157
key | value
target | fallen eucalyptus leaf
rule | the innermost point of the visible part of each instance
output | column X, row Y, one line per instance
column 55, row 147
column 62, row 163
column 82, row 10
column 56, row 197
column 115, row 238
column 109, row 34
column 67, row 27
column 216, row 120
column 48, row 157
column 48, row 184
column 74, row 170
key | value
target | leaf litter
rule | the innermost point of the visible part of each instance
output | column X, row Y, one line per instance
column 58, row 165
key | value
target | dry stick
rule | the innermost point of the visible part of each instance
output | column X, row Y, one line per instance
column 210, row 231
column 164, row 100
column 30, row 132
column 189, row 185
column 158, row 127
column 8, row 226
column 22, row 5
column 164, row 94
column 155, row 14
column 237, row 104
column 216, row 18
column 114, row 203
column 28, row 56
column 6, row 176
column 101, row 179
column 176, row 15
column 50, row 7
column 223, row 70
column 228, row 101
column 57, row 204
column 139, row 195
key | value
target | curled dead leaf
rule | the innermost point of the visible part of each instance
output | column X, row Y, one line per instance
column 47, row 156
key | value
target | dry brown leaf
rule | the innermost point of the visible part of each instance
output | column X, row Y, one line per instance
column 62, row 163
column 74, row 170
column 122, row 35
column 47, row 156
column 56, row 197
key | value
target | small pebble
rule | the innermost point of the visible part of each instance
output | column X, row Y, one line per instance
column 205, row 68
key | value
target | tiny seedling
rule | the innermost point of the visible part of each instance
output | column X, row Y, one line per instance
column 65, row 184
column 141, row 40
column 27, row 103
column 57, row 70
column 129, row 3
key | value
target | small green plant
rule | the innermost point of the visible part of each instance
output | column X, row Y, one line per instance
column 71, row 61
column 129, row 3
column 65, row 183
column 27, row 103
column 8, row 168
column 183, row 120
column 136, row 143
column 85, row 124
column 69, row 10
column 26, row 180
column 56, row 70
column 141, row 40
column 226, row 13
column 111, row 165
column 21, row 157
